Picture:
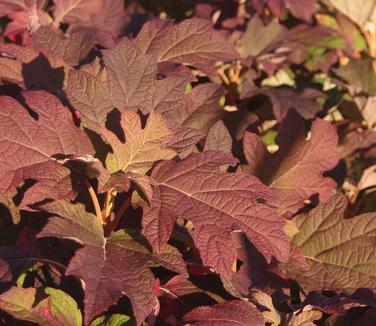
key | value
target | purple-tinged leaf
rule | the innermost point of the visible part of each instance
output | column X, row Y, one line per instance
column 200, row 110
column 295, row 171
column 27, row 143
column 282, row 100
column 72, row 11
column 105, row 25
column 109, row 267
column 143, row 146
column 219, row 139
column 229, row 313
column 193, row 42
column 217, row 203
column 71, row 49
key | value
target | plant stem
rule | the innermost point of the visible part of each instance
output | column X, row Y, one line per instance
column 109, row 203
column 111, row 225
column 95, row 201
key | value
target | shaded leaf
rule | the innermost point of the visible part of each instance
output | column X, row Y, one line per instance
column 71, row 11
column 109, row 267
column 295, row 171
column 71, row 50
column 364, row 317
column 106, row 25
column 358, row 75
column 305, row 102
column 229, row 313
column 27, row 143
column 44, row 307
column 218, row 139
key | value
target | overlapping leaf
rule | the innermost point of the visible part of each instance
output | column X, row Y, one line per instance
column 219, row 139
column 193, row 42
column 283, row 99
column 28, row 145
column 95, row 95
column 56, row 308
column 340, row 251
column 217, row 203
column 229, row 313
column 110, row 267
column 106, row 24
column 71, row 11
column 142, row 147
column 71, row 49
column 295, row 171
column 200, row 108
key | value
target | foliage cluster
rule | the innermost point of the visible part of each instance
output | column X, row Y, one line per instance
column 188, row 162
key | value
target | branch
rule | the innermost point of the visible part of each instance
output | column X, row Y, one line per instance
column 95, row 201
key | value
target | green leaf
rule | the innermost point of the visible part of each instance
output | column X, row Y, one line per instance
column 114, row 320
column 340, row 251
column 44, row 307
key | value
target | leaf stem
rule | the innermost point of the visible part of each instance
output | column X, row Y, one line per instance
column 112, row 224
column 109, row 203
column 95, row 201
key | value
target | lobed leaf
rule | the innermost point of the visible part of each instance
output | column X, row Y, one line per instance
column 217, row 203
column 109, row 267
column 29, row 145
column 229, row 313
column 295, row 171
column 42, row 306
column 340, row 251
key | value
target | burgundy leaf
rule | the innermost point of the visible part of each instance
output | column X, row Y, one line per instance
column 219, row 139
column 295, row 171
column 109, row 267
column 200, row 109
column 217, row 203
column 193, row 42
column 71, row 11
column 106, row 25
column 229, row 313
column 71, row 49
column 283, row 99
column 28, row 144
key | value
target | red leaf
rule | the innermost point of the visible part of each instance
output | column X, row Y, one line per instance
column 229, row 313
column 217, row 203
column 29, row 144
column 295, row 171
